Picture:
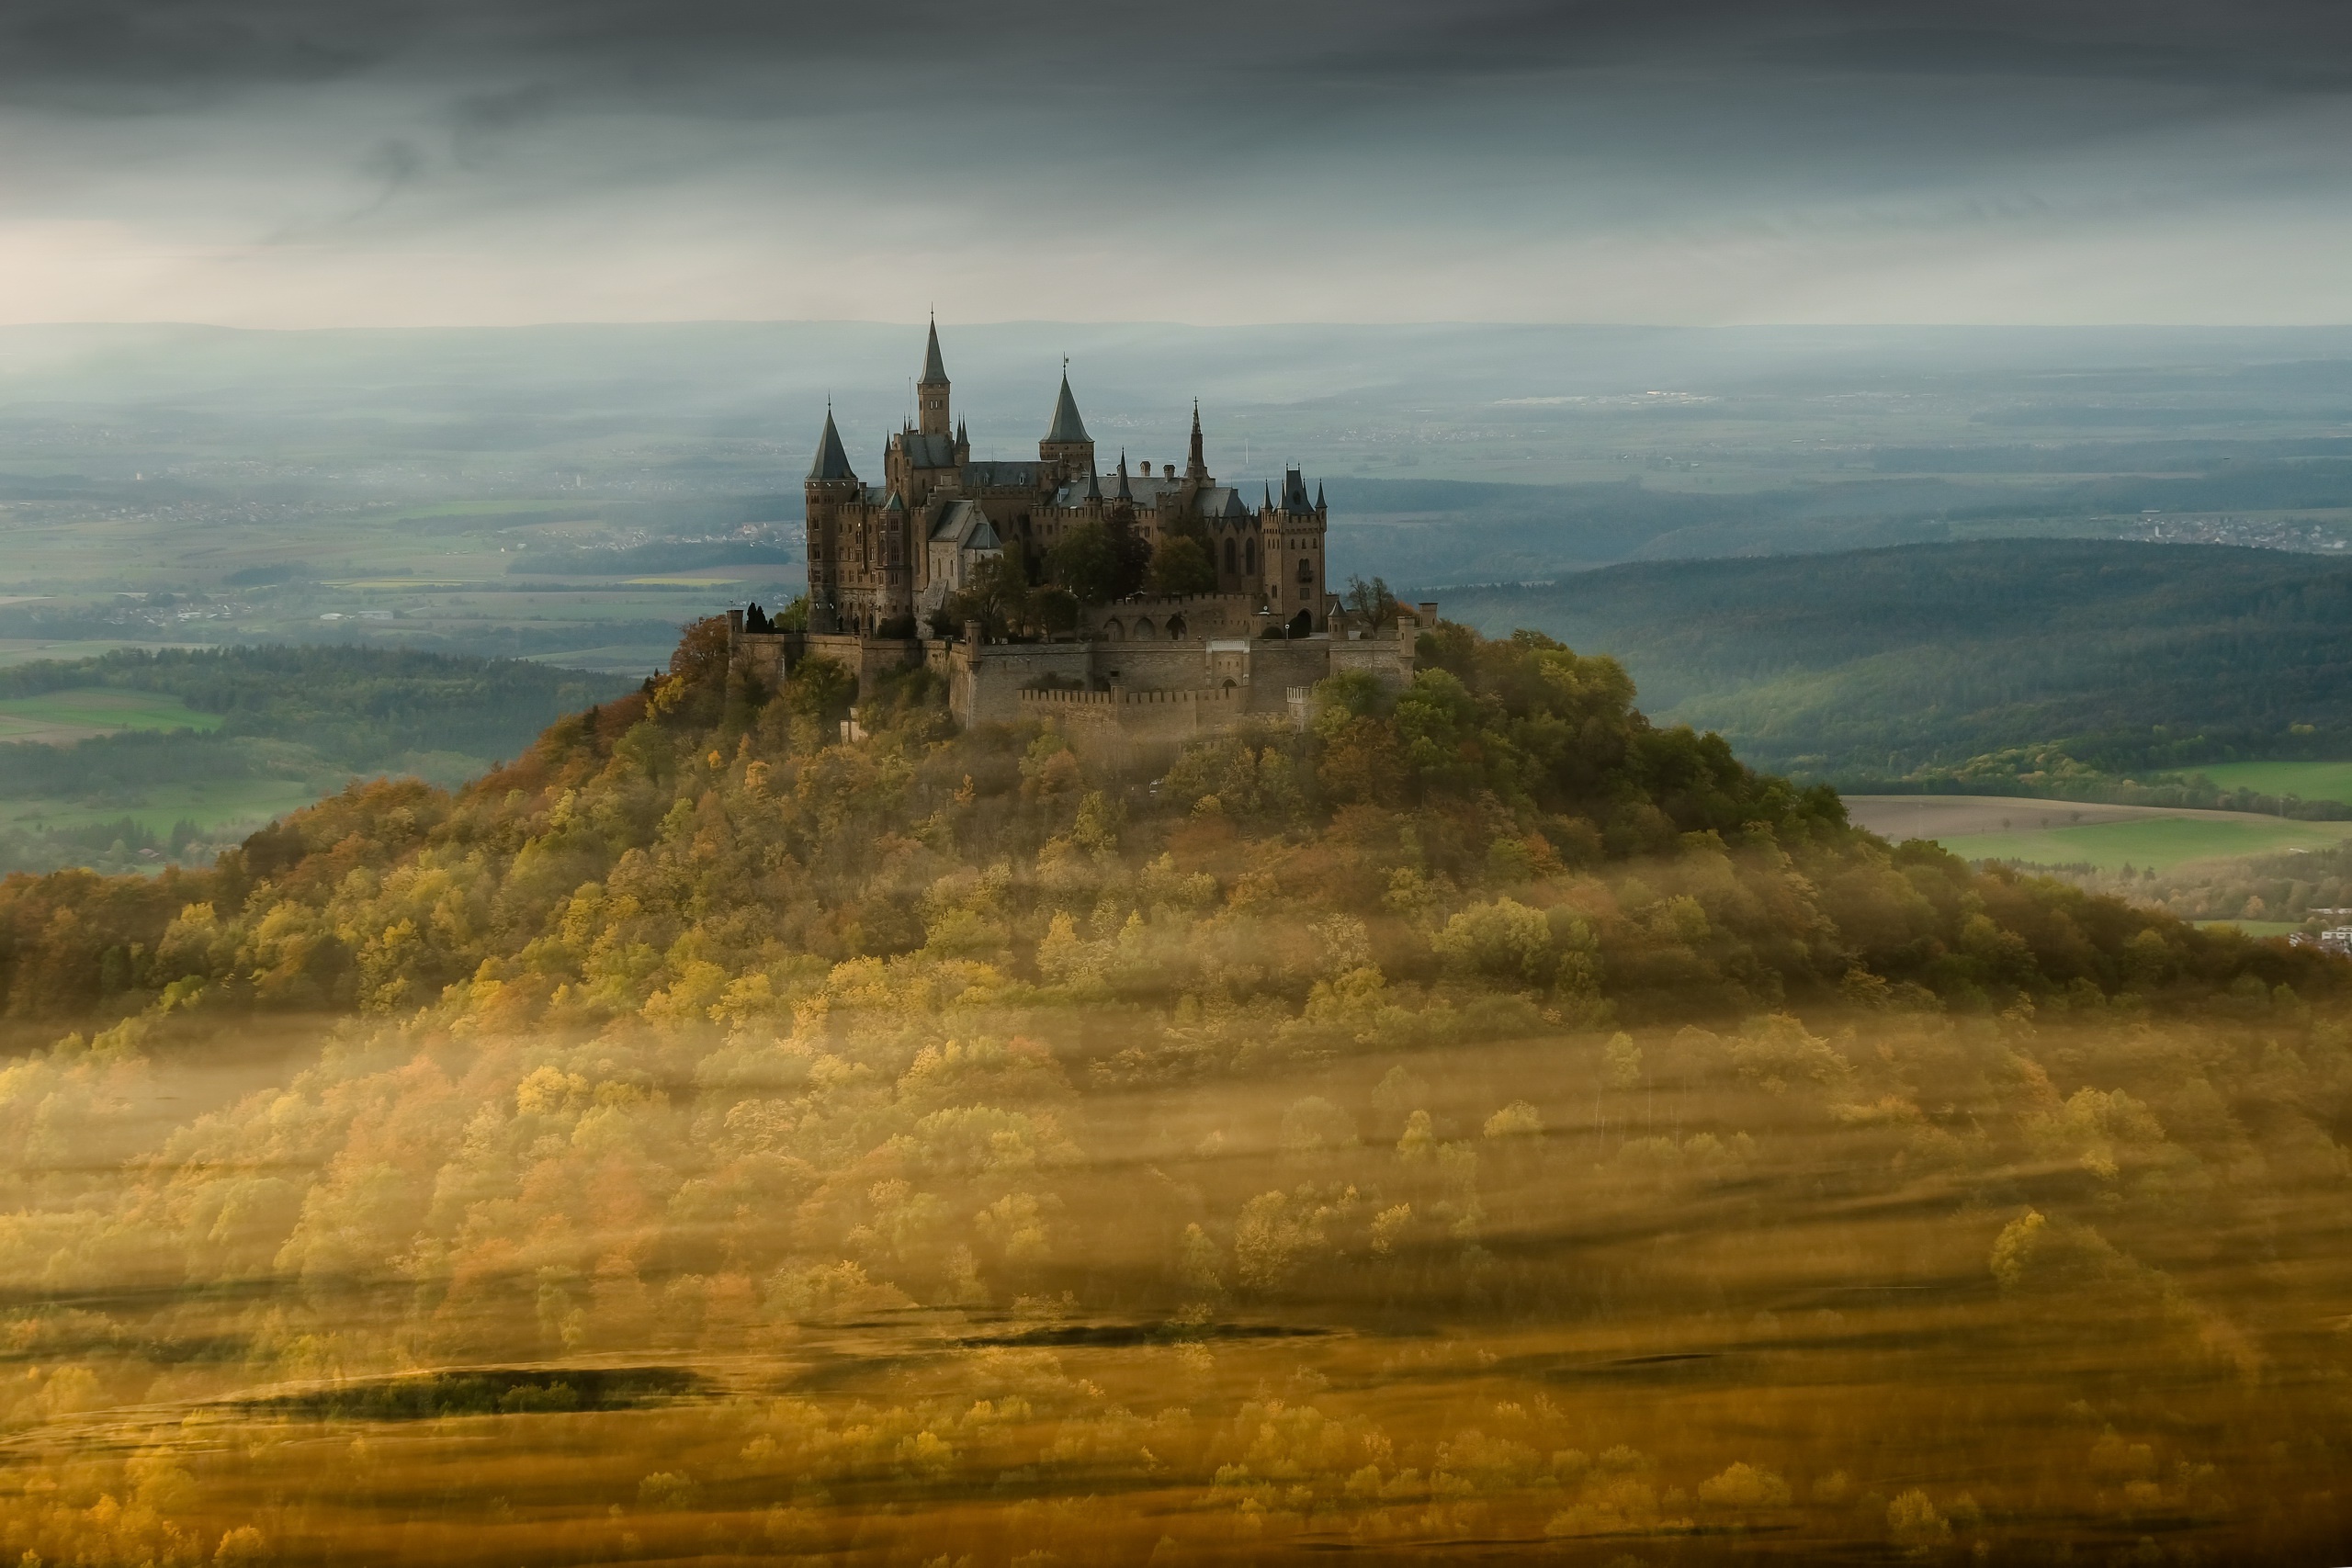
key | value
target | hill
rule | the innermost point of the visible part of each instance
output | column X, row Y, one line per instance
column 213, row 739
column 1873, row 664
column 1481, row 1116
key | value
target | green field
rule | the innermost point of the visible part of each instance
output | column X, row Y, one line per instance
column 2258, row 928
column 2311, row 781
column 84, row 710
column 209, row 804
column 2158, row 841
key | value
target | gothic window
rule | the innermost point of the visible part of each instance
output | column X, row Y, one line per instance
column 1251, row 551
column 1229, row 568
column 1305, row 573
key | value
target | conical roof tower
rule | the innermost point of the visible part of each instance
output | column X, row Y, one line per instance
column 832, row 459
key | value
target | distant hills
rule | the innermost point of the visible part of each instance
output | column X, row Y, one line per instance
column 1876, row 663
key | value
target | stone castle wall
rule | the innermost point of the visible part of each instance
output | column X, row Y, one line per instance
column 1153, row 691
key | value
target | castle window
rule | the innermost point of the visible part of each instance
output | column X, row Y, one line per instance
column 1306, row 572
column 1229, row 568
column 1250, row 549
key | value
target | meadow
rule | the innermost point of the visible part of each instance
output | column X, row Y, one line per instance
column 2105, row 838
column 2308, row 780
column 65, row 716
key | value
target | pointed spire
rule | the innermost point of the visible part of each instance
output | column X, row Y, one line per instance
column 934, row 369
column 1268, row 505
column 1318, row 495
column 1093, row 484
column 1067, row 427
column 832, row 460
column 1198, row 467
column 1123, row 492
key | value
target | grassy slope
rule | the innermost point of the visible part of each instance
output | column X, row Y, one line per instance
column 84, row 710
column 2159, row 842
column 2311, row 780
column 1941, row 652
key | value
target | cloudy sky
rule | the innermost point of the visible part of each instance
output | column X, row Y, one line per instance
column 295, row 163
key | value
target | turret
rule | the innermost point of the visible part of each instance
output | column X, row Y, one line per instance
column 1066, row 445
column 832, row 483
column 1196, row 468
column 931, row 392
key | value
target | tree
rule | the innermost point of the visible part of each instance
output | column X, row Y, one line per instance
column 1370, row 601
column 1181, row 564
column 1085, row 560
column 996, row 596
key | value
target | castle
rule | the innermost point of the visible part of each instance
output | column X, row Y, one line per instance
column 885, row 559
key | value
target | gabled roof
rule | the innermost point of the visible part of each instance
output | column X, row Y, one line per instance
column 1219, row 501
column 964, row 525
column 1067, row 425
column 934, row 369
column 832, row 459
column 894, row 503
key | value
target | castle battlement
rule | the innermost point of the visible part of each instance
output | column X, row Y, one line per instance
column 1120, row 697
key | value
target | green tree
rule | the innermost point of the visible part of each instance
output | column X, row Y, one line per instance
column 1181, row 564
column 997, row 596
column 1085, row 560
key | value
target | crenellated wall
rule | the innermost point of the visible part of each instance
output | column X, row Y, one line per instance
column 1156, row 689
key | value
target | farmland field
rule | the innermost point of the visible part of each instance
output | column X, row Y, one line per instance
column 208, row 803
column 82, row 712
column 2063, row 832
column 2311, row 781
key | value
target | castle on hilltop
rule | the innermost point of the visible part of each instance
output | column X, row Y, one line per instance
column 886, row 560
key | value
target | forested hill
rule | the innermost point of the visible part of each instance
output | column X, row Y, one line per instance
column 1509, row 819
column 2137, row 656
column 1474, row 1101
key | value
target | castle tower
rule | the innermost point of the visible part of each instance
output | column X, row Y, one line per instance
column 931, row 392
column 1196, row 468
column 1066, row 445
column 1294, row 540
column 832, row 485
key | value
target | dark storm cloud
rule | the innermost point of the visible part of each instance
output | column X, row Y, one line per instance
column 128, row 54
column 1218, row 160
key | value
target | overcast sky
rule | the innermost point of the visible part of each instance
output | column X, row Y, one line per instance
column 295, row 163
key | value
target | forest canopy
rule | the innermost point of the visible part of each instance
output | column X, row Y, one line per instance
column 1480, row 1115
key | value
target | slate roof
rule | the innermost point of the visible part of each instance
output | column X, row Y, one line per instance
column 1067, row 425
column 1295, row 493
column 832, row 460
column 933, row 367
column 965, row 526
column 1219, row 501
column 1023, row 476
column 928, row 451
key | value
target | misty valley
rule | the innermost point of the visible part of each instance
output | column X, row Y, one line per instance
column 1804, row 1023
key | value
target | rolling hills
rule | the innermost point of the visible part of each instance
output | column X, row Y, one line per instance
column 1876, row 663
